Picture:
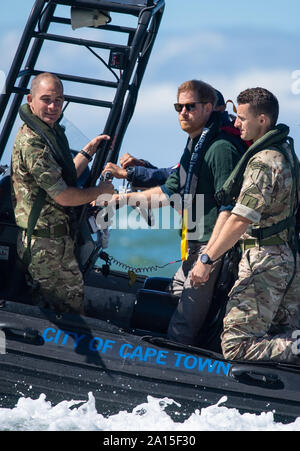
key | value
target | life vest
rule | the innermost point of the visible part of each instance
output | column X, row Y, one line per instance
column 276, row 139
column 58, row 145
column 211, row 133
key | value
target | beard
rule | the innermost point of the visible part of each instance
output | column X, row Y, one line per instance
column 191, row 127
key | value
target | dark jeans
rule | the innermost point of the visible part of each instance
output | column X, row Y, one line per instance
column 194, row 303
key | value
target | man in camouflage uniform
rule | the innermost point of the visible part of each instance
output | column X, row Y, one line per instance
column 53, row 267
column 263, row 308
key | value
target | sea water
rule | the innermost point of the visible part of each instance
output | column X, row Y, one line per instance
column 40, row 415
column 145, row 249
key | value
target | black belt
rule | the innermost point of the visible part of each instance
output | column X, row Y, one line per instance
column 56, row 231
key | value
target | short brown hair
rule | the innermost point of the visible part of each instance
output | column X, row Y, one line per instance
column 37, row 80
column 261, row 101
column 205, row 92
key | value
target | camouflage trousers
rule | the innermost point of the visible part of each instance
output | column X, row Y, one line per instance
column 56, row 278
column 261, row 316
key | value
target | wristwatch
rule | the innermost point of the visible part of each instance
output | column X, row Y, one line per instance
column 86, row 155
column 130, row 173
column 205, row 259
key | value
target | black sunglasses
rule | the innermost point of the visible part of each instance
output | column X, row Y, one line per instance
column 188, row 106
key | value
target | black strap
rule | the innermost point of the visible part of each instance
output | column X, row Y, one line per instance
column 209, row 133
column 266, row 232
column 57, row 142
column 32, row 220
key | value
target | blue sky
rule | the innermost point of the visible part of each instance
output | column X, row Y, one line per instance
column 232, row 45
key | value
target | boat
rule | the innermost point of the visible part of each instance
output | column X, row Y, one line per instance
column 118, row 350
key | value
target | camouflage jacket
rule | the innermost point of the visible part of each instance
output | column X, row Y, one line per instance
column 265, row 197
column 34, row 167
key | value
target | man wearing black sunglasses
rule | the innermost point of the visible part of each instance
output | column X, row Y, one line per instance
column 143, row 174
column 207, row 161
column 217, row 156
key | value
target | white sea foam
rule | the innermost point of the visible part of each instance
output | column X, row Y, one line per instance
column 41, row 415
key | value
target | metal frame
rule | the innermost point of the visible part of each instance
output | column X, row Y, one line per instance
column 121, row 6
column 138, row 50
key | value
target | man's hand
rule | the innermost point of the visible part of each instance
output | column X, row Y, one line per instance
column 115, row 170
column 104, row 196
column 92, row 146
column 81, row 161
column 106, row 188
column 106, row 200
column 128, row 160
column 200, row 273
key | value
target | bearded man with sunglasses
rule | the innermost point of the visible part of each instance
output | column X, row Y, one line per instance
column 207, row 161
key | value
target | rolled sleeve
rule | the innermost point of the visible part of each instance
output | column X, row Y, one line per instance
column 246, row 212
column 57, row 188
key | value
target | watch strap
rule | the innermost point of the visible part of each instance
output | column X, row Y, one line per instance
column 86, row 155
column 130, row 173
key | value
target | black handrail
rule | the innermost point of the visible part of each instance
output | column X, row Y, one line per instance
column 73, row 99
column 131, row 100
column 17, row 63
column 76, row 41
column 118, row 6
column 134, row 56
column 136, row 52
column 107, row 150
